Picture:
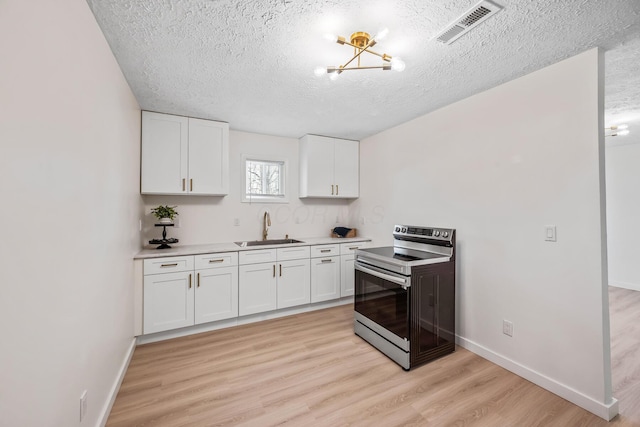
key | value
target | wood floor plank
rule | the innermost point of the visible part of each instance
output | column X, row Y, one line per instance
column 311, row 370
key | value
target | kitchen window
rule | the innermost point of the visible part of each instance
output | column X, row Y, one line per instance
column 264, row 180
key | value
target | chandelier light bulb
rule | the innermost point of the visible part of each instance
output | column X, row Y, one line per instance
column 331, row 37
column 623, row 132
column 334, row 76
column 381, row 34
column 398, row 64
column 320, row 71
column 617, row 127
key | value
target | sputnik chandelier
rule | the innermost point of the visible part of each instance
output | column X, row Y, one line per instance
column 361, row 42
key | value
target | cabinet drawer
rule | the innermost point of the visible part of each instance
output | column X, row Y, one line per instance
column 350, row 248
column 224, row 259
column 257, row 256
column 168, row 264
column 296, row 252
column 324, row 250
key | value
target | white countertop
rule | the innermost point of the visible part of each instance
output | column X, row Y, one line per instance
column 177, row 250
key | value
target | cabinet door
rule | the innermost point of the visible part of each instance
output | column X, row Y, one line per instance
column 257, row 288
column 325, row 278
column 164, row 155
column 294, row 283
column 216, row 295
column 346, row 173
column 316, row 166
column 208, row 157
column 347, row 275
column 168, row 301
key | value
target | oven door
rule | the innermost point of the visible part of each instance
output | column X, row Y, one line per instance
column 382, row 302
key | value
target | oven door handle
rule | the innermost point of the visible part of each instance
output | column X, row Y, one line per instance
column 384, row 276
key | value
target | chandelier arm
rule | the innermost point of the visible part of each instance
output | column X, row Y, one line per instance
column 384, row 56
column 352, row 58
column 381, row 55
column 361, row 49
column 365, row 68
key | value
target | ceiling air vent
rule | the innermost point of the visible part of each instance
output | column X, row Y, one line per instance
column 470, row 19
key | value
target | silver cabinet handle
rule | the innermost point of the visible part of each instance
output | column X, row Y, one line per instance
column 326, row 260
column 183, row 184
column 198, row 279
column 337, row 190
column 189, row 281
column 274, row 270
column 332, row 189
column 353, row 248
column 169, row 265
column 211, row 261
column 191, row 185
column 324, row 251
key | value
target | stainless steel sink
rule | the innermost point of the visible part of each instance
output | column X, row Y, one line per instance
column 268, row 242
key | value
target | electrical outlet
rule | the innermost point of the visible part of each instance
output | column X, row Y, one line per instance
column 83, row 405
column 550, row 234
column 507, row 328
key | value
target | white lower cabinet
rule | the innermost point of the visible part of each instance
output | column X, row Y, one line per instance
column 325, row 273
column 175, row 299
column 257, row 284
column 347, row 272
column 293, row 283
column 216, row 296
column 281, row 283
column 347, row 275
column 183, row 291
column 168, row 301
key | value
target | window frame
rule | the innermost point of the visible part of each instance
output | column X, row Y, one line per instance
column 248, row 198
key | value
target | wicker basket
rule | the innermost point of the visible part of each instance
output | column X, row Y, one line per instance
column 351, row 233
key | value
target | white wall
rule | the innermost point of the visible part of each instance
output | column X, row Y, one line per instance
column 623, row 211
column 498, row 167
column 69, row 164
column 211, row 219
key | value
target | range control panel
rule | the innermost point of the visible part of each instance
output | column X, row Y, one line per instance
column 426, row 233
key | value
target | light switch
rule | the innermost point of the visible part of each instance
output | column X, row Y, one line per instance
column 550, row 233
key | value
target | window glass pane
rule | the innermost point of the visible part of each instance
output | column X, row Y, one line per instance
column 264, row 178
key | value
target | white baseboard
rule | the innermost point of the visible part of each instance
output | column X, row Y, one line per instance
column 116, row 385
column 626, row 285
column 605, row 411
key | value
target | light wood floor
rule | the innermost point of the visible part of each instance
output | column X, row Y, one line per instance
column 311, row 370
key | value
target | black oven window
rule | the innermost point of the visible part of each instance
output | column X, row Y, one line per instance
column 383, row 302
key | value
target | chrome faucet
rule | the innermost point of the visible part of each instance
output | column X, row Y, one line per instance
column 266, row 222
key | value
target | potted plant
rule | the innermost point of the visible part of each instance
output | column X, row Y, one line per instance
column 165, row 213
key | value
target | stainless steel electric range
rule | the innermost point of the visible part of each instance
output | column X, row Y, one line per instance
column 405, row 295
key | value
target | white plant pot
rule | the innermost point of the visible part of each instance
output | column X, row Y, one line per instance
column 165, row 221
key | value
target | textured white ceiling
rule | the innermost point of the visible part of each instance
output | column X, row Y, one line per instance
column 250, row 63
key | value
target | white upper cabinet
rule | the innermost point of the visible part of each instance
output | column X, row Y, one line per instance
column 208, row 157
column 165, row 151
column 329, row 167
column 182, row 155
column 346, row 169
